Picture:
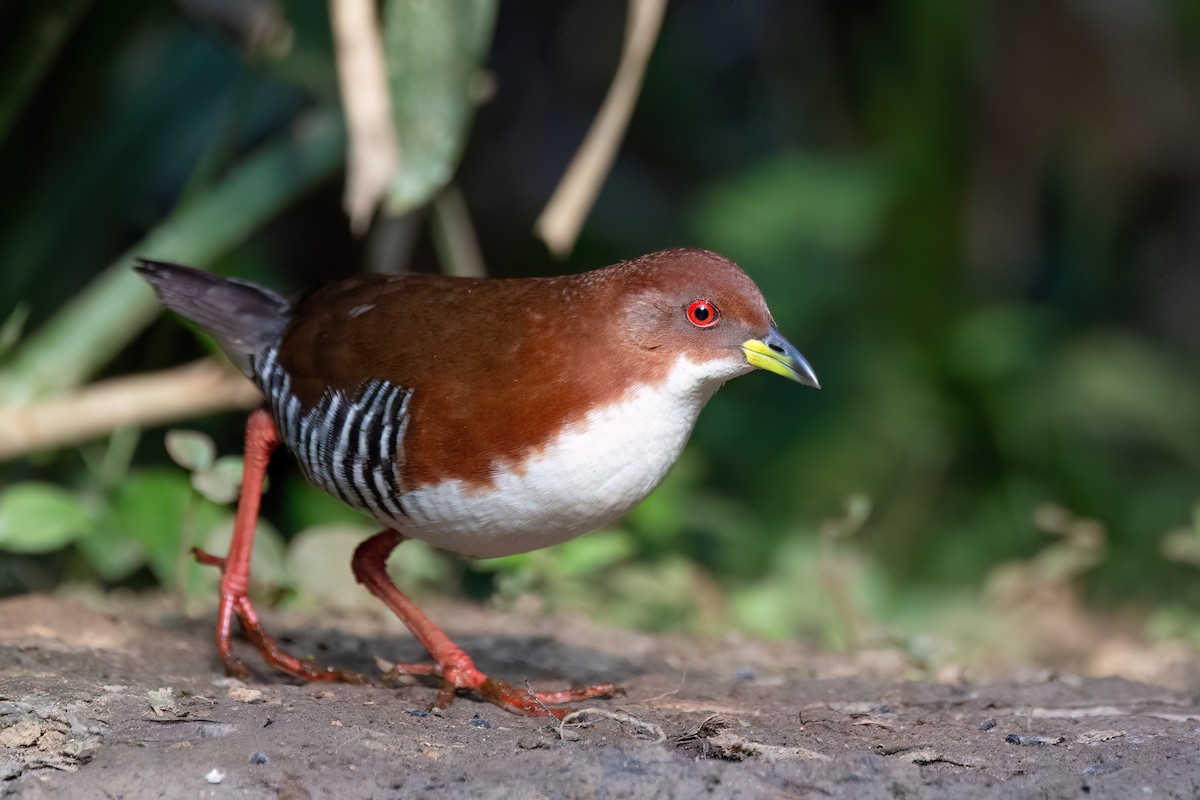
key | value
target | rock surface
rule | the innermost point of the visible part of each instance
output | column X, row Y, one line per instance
column 112, row 698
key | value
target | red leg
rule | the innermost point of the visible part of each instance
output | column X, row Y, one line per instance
column 454, row 667
column 262, row 437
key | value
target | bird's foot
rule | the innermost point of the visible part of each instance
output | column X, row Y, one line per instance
column 238, row 604
column 456, row 671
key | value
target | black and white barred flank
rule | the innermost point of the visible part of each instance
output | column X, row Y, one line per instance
column 348, row 446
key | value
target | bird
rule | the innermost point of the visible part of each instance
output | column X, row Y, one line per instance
column 484, row 416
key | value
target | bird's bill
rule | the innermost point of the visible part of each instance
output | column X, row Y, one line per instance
column 776, row 354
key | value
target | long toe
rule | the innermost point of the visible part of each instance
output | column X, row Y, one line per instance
column 275, row 656
column 461, row 675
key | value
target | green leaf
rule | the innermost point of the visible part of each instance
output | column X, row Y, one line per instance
column 40, row 518
column 222, row 482
column 268, row 559
column 594, row 552
column 109, row 550
column 318, row 560
column 518, row 562
column 150, row 507
column 434, row 51
column 191, row 450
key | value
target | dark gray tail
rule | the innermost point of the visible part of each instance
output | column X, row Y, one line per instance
column 244, row 318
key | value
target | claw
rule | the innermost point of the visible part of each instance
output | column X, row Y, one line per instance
column 460, row 674
column 262, row 437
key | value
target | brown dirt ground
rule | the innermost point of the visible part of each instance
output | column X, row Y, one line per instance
column 112, row 698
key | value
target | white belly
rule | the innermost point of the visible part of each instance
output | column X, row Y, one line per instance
column 590, row 475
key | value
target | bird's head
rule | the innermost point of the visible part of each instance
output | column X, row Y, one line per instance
column 702, row 306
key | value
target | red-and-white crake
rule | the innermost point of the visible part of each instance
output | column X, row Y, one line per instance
column 484, row 416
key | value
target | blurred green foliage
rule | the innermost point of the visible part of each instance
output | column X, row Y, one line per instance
column 979, row 222
column 433, row 51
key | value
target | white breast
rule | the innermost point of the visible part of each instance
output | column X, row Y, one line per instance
column 591, row 474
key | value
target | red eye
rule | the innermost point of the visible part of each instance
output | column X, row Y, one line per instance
column 702, row 313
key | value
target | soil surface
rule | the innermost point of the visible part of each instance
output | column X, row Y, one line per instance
column 119, row 699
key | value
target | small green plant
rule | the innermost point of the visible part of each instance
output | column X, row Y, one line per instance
column 40, row 517
column 1177, row 620
column 116, row 521
column 1182, row 545
column 217, row 480
column 824, row 587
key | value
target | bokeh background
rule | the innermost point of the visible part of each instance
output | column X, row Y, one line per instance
column 980, row 221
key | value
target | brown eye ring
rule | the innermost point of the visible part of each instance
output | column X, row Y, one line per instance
column 702, row 313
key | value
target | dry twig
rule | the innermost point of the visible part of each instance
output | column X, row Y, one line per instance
column 141, row 400
column 373, row 153
column 563, row 216
column 641, row 728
